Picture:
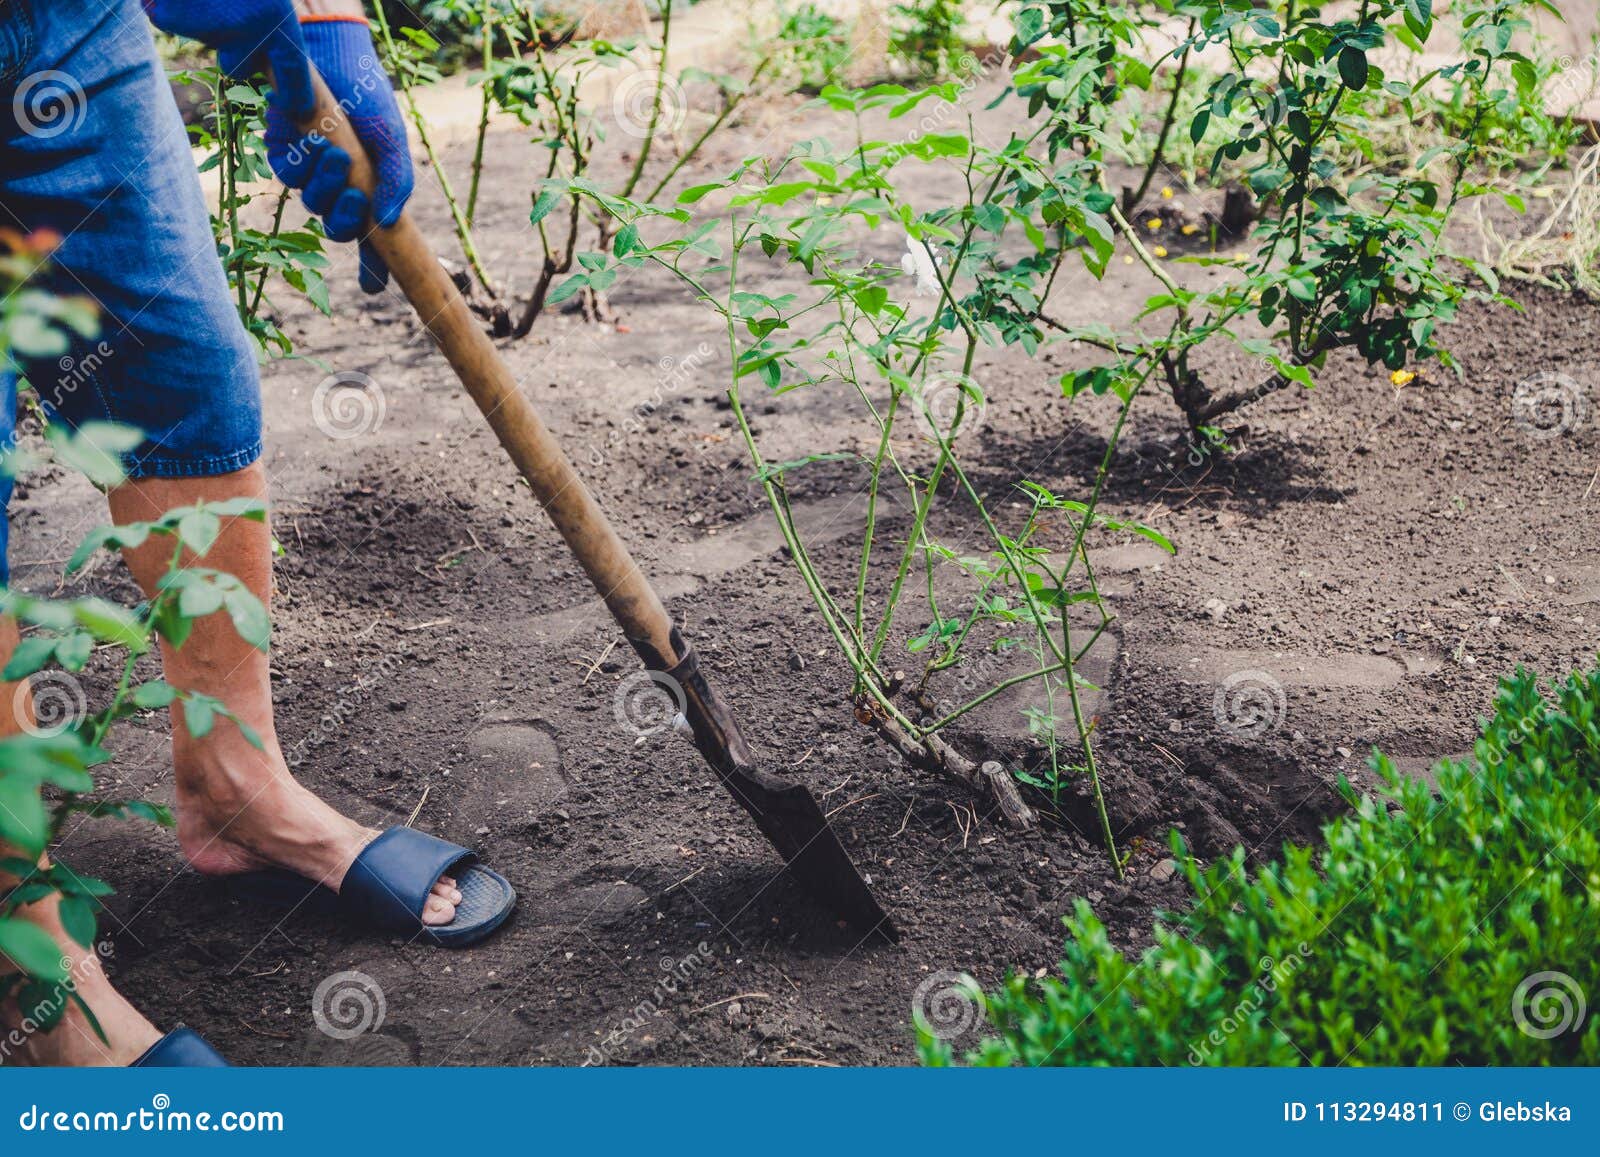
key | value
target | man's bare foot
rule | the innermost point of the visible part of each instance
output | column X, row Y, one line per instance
column 251, row 814
column 73, row 1041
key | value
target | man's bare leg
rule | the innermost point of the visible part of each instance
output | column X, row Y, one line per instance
column 239, row 808
column 72, row 1041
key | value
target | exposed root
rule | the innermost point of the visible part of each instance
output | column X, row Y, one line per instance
column 988, row 781
column 1564, row 251
column 596, row 309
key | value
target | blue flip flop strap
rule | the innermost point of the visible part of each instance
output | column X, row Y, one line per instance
column 390, row 880
column 182, row 1048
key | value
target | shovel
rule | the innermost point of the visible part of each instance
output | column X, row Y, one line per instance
column 786, row 812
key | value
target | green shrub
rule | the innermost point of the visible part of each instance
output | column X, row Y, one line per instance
column 925, row 37
column 1455, row 926
column 813, row 47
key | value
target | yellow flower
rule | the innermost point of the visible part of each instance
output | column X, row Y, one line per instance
column 1190, row 230
column 1153, row 224
column 1402, row 378
column 1127, row 261
column 1166, row 194
column 1160, row 250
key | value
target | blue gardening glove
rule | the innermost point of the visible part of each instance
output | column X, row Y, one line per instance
column 344, row 54
column 247, row 34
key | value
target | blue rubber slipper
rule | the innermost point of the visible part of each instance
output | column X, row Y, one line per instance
column 182, row 1048
column 389, row 884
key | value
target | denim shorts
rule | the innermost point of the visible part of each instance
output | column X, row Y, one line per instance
column 92, row 146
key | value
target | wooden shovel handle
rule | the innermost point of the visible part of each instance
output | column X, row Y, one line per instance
column 485, row 375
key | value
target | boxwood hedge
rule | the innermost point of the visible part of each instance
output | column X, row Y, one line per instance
column 1447, row 923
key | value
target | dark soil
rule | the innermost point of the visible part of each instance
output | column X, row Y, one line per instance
column 1378, row 555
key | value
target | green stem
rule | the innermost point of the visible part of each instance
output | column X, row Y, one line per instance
column 980, row 700
column 732, row 102
column 1159, row 151
column 483, row 112
column 655, row 103
column 228, row 138
column 277, row 226
column 398, row 67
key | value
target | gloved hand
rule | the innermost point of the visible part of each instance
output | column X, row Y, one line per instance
column 344, row 54
column 247, row 34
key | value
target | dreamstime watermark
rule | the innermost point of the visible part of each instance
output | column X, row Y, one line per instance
column 1572, row 81
column 348, row 404
column 41, row 1013
column 677, row 973
column 948, row 1005
column 346, row 706
column 47, row 104
column 348, row 1004
column 75, row 372
column 300, row 150
column 160, row 1117
column 638, row 111
column 950, row 403
column 1249, row 704
column 971, row 71
column 1272, row 974
column 648, row 703
column 59, row 703
column 1491, row 750
column 1548, row 1004
column 673, row 376
column 1548, row 404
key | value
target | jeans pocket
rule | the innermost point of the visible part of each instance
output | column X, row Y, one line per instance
column 16, row 42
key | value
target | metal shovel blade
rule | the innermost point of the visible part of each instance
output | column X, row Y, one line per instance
column 787, row 814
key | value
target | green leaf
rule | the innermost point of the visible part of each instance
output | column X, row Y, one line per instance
column 1419, row 17
column 198, row 715
column 110, row 623
column 546, row 201
column 78, row 918
column 242, row 507
column 1353, row 69
column 249, row 617
column 1029, row 26
column 111, row 537
column 1303, row 287
column 95, row 448
column 567, row 288
column 73, row 652
column 198, row 529
column 31, row 948
column 30, row 655
column 155, row 694
column 694, row 192
column 23, row 818
column 198, row 598
column 43, row 1000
